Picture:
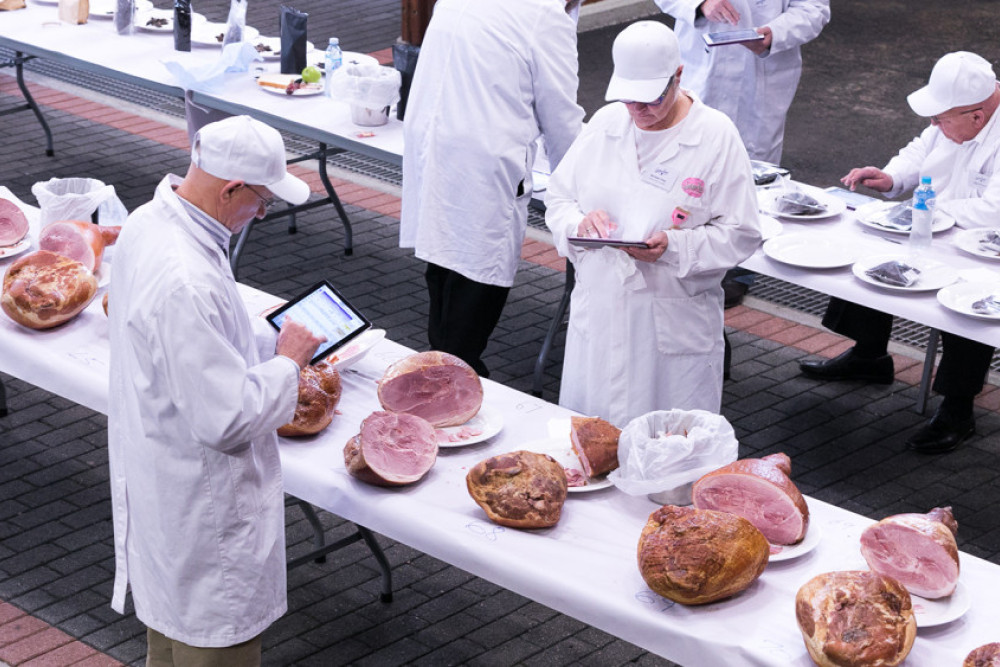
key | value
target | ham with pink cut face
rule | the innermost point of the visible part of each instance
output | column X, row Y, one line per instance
column 13, row 224
column 434, row 385
column 79, row 240
column 392, row 449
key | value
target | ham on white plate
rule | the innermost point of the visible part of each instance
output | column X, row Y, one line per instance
column 13, row 224
column 434, row 385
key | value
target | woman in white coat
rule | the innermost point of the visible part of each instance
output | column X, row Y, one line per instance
column 658, row 166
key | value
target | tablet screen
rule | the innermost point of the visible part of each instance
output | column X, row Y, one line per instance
column 325, row 312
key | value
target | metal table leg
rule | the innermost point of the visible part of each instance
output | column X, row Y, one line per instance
column 3, row 400
column 17, row 62
column 557, row 321
column 925, row 377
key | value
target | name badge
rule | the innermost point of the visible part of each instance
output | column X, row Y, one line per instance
column 660, row 177
column 979, row 181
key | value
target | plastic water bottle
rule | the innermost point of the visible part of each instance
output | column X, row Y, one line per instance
column 923, row 214
column 334, row 59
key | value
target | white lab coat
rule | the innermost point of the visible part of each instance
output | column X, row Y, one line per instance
column 492, row 76
column 648, row 336
column 754, row 91
column 196, row 395
column 965, row 177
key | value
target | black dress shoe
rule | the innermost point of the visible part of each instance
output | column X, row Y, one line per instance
column 734, row 291
column 941, row 434
column 849, row 366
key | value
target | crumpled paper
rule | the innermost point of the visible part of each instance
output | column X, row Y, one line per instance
column 235, row 57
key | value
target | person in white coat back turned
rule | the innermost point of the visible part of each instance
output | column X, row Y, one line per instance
column 658, row 166
column 197, row 389
column 492, row 76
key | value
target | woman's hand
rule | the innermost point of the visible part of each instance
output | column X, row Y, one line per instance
column 596, row 224
column 657, row 246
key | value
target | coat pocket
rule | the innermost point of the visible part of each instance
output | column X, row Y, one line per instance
column 256, row 479
column 687, row 325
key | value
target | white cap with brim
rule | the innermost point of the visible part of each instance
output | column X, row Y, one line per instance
column 646, row 54
column 243, row 149
column 958, row 79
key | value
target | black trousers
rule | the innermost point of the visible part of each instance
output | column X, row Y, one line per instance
column 463, row 314
column 964, row 362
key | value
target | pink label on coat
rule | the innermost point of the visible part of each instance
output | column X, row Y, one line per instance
column 694, row 187
column 678, row 217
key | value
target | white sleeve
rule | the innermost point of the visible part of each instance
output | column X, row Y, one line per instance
column 682, row 10
column 555, row 81
column 801, row 22
column 905, row 167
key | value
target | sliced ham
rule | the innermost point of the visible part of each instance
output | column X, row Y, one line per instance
column 13, row 224
column 595, row 442
column 43, row 290
column 437, row 386
column 392, row 449
column 82, row 241
column 760, row 491
column 918, row 550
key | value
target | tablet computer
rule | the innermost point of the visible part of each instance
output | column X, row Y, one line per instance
column 325, row 312
column 592, row 242
column 731, row 37
column 853, row 199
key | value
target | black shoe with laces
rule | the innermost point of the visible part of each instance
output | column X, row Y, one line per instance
column 941, row 434
column 849, row 366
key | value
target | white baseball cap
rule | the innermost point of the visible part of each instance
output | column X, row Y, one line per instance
column 240, row 148
column 957, row 80
column 646, row 54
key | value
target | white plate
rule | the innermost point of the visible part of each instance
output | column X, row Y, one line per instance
column 318, row 58
column 960, row 297
column 16, row 249
column 968, row 240
column 354, row 351
column 769, row 227
column 207, row 33
column 808, row 543
column 105, row 9
column 486, row 424
column 945, row 610
column 561, row 449
column 807, row 251
column 834, row 205
column 47, row 2
column 933, row 275
column 282, row 81
column 274, row 43
column 866, row 212
column 142, row 18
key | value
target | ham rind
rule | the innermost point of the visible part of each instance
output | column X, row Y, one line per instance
column 392, row 449
column 43, row 290
column 760, row 491
column 437, row 386
column 13, row 224
column 918, row 550
column 595, row 442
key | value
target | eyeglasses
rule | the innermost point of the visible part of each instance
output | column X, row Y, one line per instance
column 936, row 120
column 268, row 202
column 658, row 101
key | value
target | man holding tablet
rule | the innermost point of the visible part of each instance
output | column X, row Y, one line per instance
column 197, row 390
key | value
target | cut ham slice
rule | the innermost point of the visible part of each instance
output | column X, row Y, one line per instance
column 82, row 241
column 595, row 442
column 760, row 491
column 437, row 386
column 13, row 224
column 918, row 550
column 392, row 449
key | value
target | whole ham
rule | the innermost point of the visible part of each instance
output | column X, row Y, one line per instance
column 695, row 556
column 437, row 386
column 918, row 550
column 42, row 289
column 392, row 449
column 595, row 442
column 855, row 617
column 82, row 241
column 319, row 394
column 987, row 655
column 13, row 224
column 760, row 491
column 519, row 489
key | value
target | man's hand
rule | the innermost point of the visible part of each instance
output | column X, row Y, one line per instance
column 720, row 11
column 870, row 177
column 297, row 343
column 657, row 246
column 761, row 45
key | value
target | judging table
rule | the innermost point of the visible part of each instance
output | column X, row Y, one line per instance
column 584, row 567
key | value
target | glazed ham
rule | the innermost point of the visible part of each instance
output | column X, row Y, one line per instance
column 595, row 442
column 760, row 491
column 82, row 241
column 987, row 655
column 392, row 449
column 43, row 290
column 918, row 550
column 437, row 386
column 319, row 393
column 13, row 224
column 519, row 489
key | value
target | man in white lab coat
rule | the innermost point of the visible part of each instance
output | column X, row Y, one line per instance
column 492, row 76
column 197, row 389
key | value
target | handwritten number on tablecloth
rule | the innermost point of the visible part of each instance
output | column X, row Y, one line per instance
column 87, row 359
column 659, row 602
column 487, row 531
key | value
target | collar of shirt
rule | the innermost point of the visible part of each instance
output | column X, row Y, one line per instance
column 219, row 232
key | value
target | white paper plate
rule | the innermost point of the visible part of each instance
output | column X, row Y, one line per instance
column 281, row 81
column 561, row 450
column 933, row 275
column 807, row 251
column 945, row 610
column 16, row 249
column 47, row 2
column 318, row 58
column 834, row 205
column 142, row 19
column 960, row 297
column 274, row 46
column 354, row 351
column 769, row 227
column 105, row 9
column 486, row 424
column 866, row 212
column 808, row 543
column 207, row 33
column 968, row 240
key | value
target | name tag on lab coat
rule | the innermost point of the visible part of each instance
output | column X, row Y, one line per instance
column 660, row 177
